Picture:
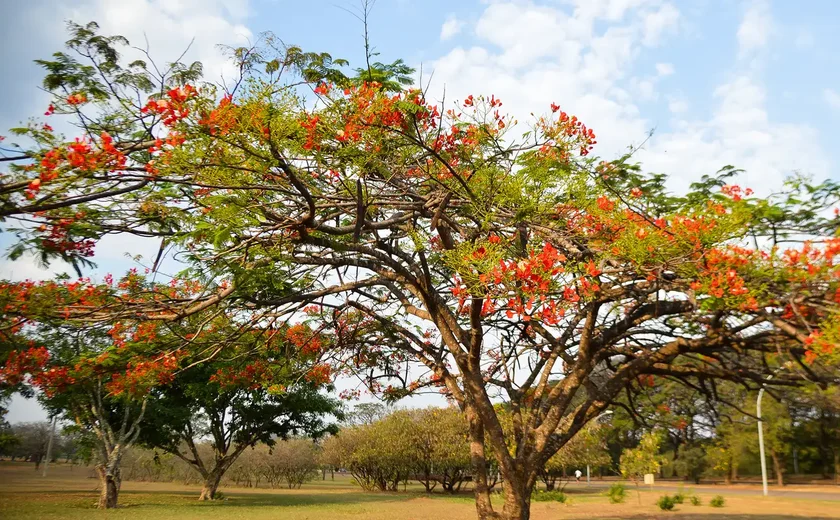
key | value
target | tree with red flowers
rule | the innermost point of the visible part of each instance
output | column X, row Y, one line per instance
column 165, row 383
column 443, row 251
column 263, row 385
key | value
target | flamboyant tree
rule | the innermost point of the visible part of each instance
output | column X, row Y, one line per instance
column 98, row 376
column 170, row 380
column 264, row 386
column 437, row 246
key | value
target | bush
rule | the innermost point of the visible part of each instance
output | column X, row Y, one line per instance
column 617, row 493
column 679, row 498
column 695, row 500
column 666, row 503
column 549, row 496
column 718, row 501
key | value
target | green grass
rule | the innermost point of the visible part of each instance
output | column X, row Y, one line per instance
column 69, row 494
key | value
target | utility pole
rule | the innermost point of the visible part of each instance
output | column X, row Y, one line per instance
column 49, row 446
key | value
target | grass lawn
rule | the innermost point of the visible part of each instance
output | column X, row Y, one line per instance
column 69, row 493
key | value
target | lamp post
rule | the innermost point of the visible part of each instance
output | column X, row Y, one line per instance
column 761, row 437
column 608, row 412
column 49, row 446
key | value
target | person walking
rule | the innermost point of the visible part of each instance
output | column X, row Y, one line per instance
column 577, row 475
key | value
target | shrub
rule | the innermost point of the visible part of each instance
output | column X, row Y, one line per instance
column 549, row 496
column 695, row 500
column 617, row 493
column 718, row 501
column 666, row 503
column 679, row 498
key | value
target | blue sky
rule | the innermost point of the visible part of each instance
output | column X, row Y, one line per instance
column 754, row 83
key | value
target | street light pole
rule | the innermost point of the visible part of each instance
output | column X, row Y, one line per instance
column 608, row 412
column 761, row 438
column 49, row 446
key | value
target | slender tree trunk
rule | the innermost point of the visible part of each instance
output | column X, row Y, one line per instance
column 837, row 466
column 727, row 479
column 211, row 483
column 478, row 461
column 778, row 467
column 109, row 481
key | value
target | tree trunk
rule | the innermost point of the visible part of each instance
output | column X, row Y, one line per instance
column 109, row 481
column 517, row 499
column 478, row 461
column 211, row 483
column 730, row 470
column 837, row 466
column 778, row 467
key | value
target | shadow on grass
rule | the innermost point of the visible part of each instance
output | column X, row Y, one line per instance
column 722, row 514
column 186, row 498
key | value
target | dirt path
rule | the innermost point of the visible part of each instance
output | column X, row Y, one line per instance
column 823, row 492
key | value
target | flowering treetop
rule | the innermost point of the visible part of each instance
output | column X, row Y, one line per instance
column 430, row 234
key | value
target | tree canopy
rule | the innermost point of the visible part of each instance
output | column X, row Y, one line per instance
column 439, row 245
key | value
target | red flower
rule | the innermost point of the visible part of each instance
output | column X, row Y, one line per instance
column 76, row 99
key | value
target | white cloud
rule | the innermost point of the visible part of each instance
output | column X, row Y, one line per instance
column 677, row 105
column 664, row 69
column 585, row 60
column 755, row 28
column 657, row 23
column 739, row 132
column 169, row 26
column 832, row 97
column 451, row 27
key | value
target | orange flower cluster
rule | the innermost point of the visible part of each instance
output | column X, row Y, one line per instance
column 302, row 337
column 222, row 119
column 23, row 362
column 252, row 376
column 80, row 155
column 320, row 374
column 140, row 376
column 173, row 109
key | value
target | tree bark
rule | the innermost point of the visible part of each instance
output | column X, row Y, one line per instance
column 778, row 467
column 109, row 481
column 211, row 483
column 478, row 461
column 517, row 504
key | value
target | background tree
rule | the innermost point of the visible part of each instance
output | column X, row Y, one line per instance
column 30, row 441
column 642, row 460
column 263, row 384
column 587, row 448
column 293, row 461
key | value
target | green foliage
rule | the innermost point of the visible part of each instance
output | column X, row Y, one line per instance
column 428, row 445
column 695, row 500
column 666, row 503
column 293, row 461
column 717, row 501
column 549, row 496
column 679, row 498
column 617, row 493
column 637, row 462
column 692, row 461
